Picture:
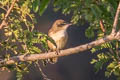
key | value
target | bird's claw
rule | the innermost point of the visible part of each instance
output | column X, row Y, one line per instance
column 57, row 52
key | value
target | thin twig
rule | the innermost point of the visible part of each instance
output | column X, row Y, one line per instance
column 102, row 26
column 117, row 50
column 3, row 9
column 116, row 19
column 42, row 73
column 66, row 52
column 7, row 14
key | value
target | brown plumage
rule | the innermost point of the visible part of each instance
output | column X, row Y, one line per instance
column 58, row 32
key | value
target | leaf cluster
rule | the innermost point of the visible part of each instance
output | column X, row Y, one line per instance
column 18, row 36
column 94, row 12
column 109, row 59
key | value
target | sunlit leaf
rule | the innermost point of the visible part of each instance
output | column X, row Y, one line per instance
column 36, row 5
column 43, row 6
column 89, row 32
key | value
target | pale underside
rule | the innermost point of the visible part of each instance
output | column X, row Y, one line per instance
column 60, row 39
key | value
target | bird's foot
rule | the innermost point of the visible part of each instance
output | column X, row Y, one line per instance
column 57, row 52
column 52, row 60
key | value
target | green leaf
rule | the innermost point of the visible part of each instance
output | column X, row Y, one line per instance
column 45, row 45
column 36, row 4
column 55, row 3
column 88, row 2
column 117, row 72
column 118, row 78
column 93, row 50
column 19, row 75
column 93, row 61
column 51, row 40
column 89, row 32
column 96, row 10
column 107, row 74
column 112, row 65
column 43, row 6
column 98, row 65
column 35, row 49
column 113, row 3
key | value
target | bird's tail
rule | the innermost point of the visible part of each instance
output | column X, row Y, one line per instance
column 53, row 60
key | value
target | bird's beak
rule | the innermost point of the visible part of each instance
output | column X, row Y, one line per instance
column 69, row 24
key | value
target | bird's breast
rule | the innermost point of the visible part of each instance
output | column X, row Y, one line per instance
column 59, row 34
column 60, row 38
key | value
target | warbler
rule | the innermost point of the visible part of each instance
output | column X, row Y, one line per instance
column 58, row 32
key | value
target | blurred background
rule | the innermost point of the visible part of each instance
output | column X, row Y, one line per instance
column 72, row 67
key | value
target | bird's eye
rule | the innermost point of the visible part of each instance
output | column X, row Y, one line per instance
column 60, row 25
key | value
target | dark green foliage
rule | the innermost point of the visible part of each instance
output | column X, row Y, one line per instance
column 95, row 11
column 43, row 6
column 40, row 6
column 111, row 57
column 89, row 32
column 36, row 4
column 89, row 10
column 19, row 36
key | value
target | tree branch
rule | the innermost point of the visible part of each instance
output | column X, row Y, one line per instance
column 116, row 19
column 102, row 26
column 81, row 48
column 7, row 14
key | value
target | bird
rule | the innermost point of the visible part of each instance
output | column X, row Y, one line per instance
column 58, row 32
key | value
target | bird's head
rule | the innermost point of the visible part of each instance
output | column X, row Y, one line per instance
column 61, row 24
